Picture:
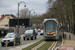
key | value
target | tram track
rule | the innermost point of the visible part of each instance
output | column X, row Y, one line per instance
column 52, row 47
column 44, row 45
column 49, row 44
column 57, row 44
column 60, row 43
column 39, row 45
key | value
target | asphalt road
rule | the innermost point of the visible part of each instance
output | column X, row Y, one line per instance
column 23, row 42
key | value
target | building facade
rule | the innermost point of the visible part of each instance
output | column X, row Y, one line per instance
column 4, row 20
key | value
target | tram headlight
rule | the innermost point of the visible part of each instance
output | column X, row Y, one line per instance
column 53, row 34
column 45, row 33
column 56, row 21
column 43, row 22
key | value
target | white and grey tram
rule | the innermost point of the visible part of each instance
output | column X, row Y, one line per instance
column 51, row 29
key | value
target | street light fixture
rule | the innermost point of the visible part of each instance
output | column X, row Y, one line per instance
column 29, row 15
column 18, row 12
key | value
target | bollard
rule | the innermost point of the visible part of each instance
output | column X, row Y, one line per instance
column 69, row 37
column 29, row 39
column 6, row 44
column 25, row 40
column 33, row 39
column 14, row 43
column 20, row 41
column 64, row 36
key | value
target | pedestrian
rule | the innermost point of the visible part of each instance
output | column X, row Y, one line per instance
column 63, row 34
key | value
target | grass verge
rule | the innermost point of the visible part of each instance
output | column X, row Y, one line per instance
column 33, row 45
column 46, row 45
column 60, row 34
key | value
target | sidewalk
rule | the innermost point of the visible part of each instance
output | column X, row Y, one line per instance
column 69, row 42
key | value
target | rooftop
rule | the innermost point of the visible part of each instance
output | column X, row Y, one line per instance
column 2, row 16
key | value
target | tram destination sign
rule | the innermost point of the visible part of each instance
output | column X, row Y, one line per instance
column 50, row 21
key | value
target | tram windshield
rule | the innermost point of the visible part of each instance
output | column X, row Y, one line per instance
column 50, row 26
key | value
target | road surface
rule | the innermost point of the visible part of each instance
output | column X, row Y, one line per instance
column 23, row 42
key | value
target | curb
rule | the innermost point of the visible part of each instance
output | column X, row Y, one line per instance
column 61, row 44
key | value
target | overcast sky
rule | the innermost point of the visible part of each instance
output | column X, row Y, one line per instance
column 10, row 6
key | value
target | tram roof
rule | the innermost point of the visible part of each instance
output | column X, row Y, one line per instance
column 50, row 19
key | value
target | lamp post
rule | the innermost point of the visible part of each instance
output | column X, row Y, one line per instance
column 29, row 15
column 18, row 12
column 52, row 12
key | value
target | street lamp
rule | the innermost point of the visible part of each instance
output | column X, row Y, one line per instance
column 18, row 12
column 29, row 15
column 52, row 12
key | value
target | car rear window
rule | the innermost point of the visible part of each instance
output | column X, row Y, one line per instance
column 29, row 32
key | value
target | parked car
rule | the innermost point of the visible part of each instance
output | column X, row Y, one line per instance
column 10, row 37
column 41, row 33
column 29, row 33
column 3, row 32
column 39, row 30
column 5, row 26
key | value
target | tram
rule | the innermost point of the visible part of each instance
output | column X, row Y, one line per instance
column 51, row 29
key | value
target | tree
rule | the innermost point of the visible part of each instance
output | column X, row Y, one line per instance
column 24, row 13
column 63, row 12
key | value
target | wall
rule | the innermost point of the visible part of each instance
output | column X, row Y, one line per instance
column 21, row 30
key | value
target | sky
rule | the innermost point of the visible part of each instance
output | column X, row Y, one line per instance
column 11, row 6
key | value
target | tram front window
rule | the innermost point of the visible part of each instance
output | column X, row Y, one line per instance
column 50, row 27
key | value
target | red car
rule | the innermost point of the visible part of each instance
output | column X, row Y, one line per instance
column 39, row 30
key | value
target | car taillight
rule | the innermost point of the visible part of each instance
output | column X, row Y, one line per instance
column 7, row 25
column 53, row 34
